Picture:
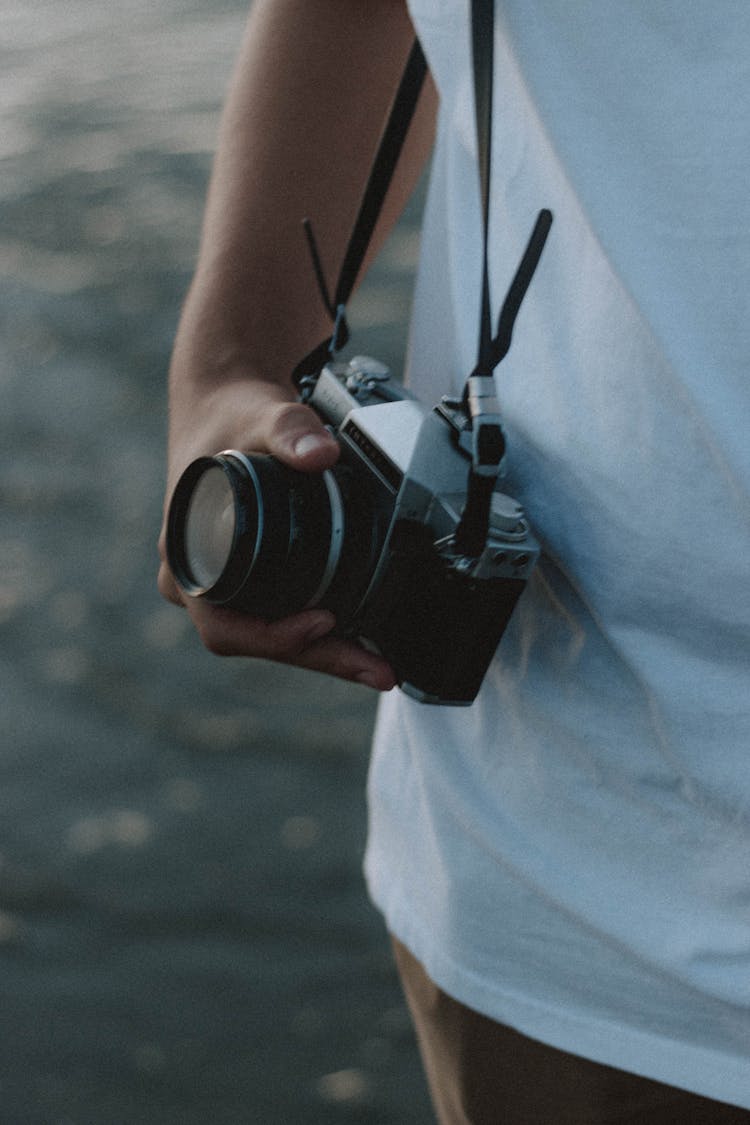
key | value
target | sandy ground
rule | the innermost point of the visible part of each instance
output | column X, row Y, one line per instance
column 185, row 937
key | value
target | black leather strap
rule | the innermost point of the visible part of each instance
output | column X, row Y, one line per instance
column 381, row 173
column 483, row 50
column 492, row 351
column 384, row 165
column 480, row 403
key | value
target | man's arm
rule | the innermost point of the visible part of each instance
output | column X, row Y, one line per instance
column 303, row 115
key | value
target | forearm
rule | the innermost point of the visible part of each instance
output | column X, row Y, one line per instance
column 305, row 108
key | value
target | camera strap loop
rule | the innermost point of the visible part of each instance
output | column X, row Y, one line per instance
column 480, row 402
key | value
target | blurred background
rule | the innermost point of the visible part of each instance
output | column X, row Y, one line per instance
column 184, row 931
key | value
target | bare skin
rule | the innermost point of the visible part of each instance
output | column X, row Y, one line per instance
column 301, row 121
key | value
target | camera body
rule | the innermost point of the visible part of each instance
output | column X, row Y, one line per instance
column 435, row 614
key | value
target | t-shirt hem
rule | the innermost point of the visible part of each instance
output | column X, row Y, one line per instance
column 699, row 1070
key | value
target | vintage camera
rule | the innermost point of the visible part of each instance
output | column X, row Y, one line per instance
column 373, row 539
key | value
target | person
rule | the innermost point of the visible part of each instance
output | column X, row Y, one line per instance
column 564, row 866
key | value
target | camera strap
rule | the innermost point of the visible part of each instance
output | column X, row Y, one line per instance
column 382, row 169
column 479, row 403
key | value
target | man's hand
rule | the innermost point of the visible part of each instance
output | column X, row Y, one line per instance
column 261, row 417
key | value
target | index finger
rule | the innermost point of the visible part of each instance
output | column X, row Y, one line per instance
column 304, row 640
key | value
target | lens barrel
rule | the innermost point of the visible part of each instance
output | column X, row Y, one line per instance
column 248, row 532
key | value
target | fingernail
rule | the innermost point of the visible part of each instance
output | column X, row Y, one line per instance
column 372, row 680
column 321, row 628
column 311, row 443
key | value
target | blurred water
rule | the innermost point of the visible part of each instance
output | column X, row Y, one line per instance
column 184, row 933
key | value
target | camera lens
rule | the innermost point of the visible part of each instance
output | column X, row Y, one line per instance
column 248, row 532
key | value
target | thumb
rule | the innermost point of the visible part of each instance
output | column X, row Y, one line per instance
column 297, row 436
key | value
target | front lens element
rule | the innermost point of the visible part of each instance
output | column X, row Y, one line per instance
column 210, row 527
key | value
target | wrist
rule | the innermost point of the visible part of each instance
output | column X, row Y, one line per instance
column 235, row 326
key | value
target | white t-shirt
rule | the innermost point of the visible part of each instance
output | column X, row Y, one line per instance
column 571, row 855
